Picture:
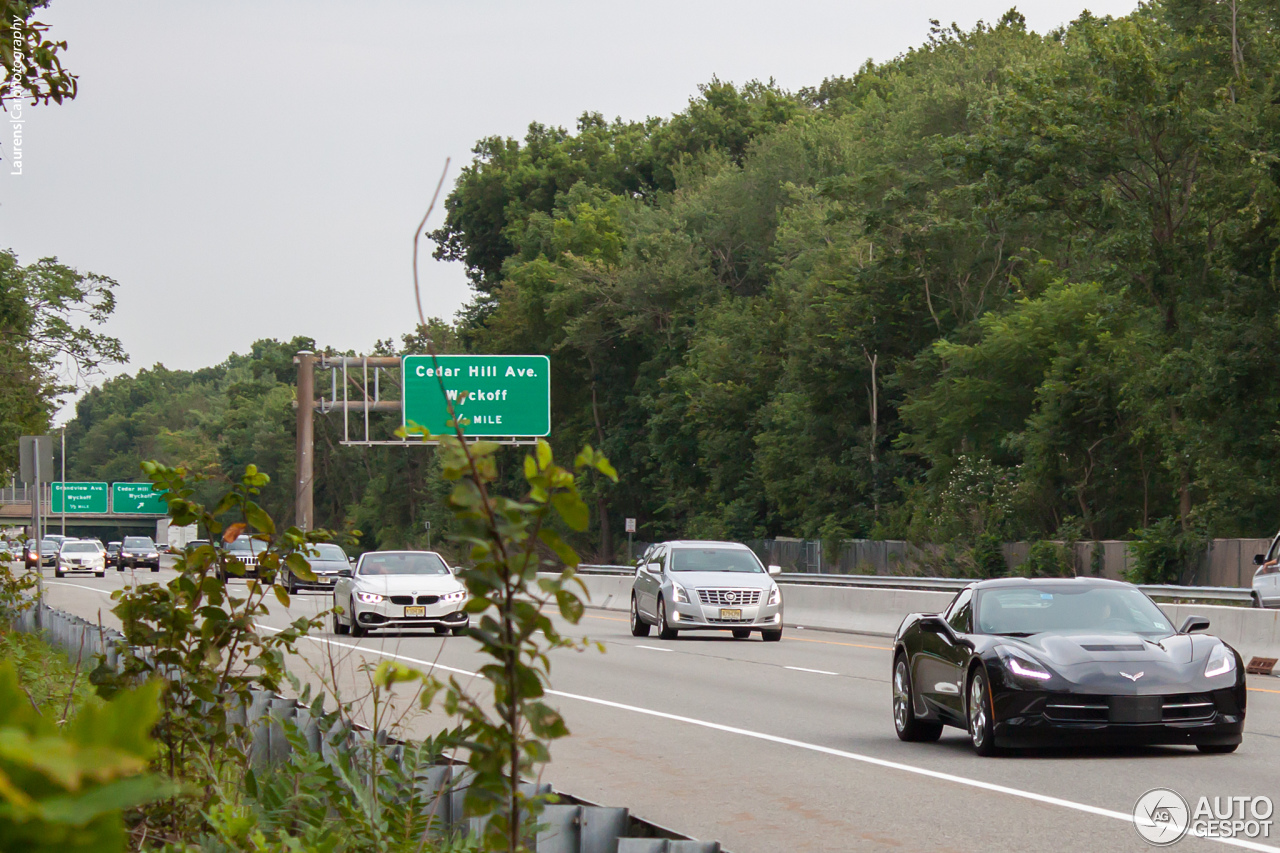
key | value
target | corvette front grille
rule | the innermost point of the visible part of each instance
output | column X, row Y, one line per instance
column 1077, row 709
column 1188, row 706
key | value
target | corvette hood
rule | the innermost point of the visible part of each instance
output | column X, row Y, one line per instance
column 1121, row 663
column 396, row 584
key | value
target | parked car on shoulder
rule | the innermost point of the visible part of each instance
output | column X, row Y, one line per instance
column 113, row 555
column 1266, row 579
column 399, row 589
column 139, row 552
column 691, row 585
column 80, row 555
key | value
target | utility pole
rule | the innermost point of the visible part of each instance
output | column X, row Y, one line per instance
column 64, row 480
column 303, row 500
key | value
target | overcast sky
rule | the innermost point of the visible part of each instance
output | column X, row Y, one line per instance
column 248, row 170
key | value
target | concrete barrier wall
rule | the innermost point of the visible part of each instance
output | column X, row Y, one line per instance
column 878, row 611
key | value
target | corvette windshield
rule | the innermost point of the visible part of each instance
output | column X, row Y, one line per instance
column 714, row 560
column 1023, row 611
column 402, row 564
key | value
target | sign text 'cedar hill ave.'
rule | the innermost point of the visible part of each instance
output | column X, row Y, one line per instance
column 496, row 396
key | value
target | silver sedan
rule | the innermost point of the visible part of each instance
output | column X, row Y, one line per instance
column 705, row 586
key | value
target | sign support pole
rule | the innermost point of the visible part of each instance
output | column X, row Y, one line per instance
column 64, row 480
column 303, row 494
column 35, row 505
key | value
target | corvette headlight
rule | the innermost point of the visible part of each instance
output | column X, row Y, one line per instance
column 679, row 593
column 1221, row 662
column 775, row 595
column 368, row 597
column 1021, row 665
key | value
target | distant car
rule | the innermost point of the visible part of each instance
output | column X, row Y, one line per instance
column 1020, row 662
column 705, row 586
column 29, row 553
column 399, row 589
column 1266, row 579
column 194, row 544
column 326, row 564
column 139, row 552
column 80, row 555
column 113, row 555
column 246, row 549
column 49, row 551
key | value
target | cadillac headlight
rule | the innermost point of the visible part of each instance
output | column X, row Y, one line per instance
column 775, row 595
column 368, row 597
column 679, row 593
column 1221, row 662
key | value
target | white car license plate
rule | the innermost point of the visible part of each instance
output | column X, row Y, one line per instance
column 410, row 612
column 730, row 614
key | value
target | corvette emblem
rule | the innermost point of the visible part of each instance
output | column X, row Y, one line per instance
column 1133, row 677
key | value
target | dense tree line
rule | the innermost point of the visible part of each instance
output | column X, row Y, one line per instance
column 1005, row 285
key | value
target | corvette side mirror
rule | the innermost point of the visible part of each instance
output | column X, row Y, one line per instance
column 1194, row 623
column 774, row 571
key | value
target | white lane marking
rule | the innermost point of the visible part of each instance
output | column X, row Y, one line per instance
column 78, row 586
column 806, row 669
column 653, row 648
column 1127, row 817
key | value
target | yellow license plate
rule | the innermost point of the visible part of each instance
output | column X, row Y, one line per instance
column 410, row 612
column 730, row 614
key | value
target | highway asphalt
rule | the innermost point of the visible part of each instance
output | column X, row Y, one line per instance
column 790, row 746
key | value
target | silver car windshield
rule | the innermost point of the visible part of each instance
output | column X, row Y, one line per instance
column 714, row 560
column 329, row 553
column 1023, row 612
column 80, row 548
column 402, row 564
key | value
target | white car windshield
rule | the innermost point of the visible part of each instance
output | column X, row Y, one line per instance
column 1023, row 612
column 80, row 548
column 421, row 563
column 714, row 560
column 245, row 545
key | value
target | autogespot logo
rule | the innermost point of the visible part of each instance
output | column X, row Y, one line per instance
column 1161, row 816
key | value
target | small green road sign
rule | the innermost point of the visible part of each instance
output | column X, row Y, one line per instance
column 137, row 498
column 80, row 498
column 495, row 396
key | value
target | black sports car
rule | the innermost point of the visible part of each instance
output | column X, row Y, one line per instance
column 1021, row 662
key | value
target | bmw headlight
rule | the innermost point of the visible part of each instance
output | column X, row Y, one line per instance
column 368, row 597
column 1221, row 662
column 1022, row 666
column 679, row 593
column 775, row 595
column 454, row 596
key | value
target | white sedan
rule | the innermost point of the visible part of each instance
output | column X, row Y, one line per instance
column 80, row 555
column 399, row 589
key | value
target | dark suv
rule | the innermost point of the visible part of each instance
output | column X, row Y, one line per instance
column 138, row 552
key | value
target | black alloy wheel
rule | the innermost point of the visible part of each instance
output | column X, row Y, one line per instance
column 665, row 631
column 338, row 626
column 741, row 633
column 981, row 723
column 772, row 636
column 100, row 574
column 441, row 629
column 905, row 722
column 639, row 627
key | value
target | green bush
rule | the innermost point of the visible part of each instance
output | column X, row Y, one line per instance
column 1047, row 560
column 1163, row 552
column 988, row 556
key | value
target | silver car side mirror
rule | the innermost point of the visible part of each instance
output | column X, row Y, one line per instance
column 774, row 571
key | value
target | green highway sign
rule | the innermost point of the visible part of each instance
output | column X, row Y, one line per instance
column 80, row 497
column 137, row 498
column 497, row 396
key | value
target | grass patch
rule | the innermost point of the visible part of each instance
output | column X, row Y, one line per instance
column 47, row 675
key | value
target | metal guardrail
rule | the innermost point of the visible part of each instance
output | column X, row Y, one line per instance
column 1199, row 593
